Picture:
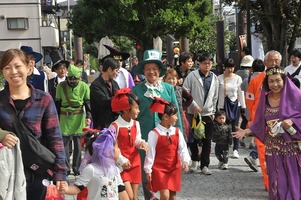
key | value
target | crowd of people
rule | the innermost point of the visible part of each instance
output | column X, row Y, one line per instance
column 135, row 125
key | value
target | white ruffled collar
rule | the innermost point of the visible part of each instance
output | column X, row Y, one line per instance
column 153, row 90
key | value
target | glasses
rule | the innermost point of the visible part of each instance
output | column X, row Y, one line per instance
column 131, row 143
column 168, row 138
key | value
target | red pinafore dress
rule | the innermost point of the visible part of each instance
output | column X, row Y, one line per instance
column 126, row 142
column 166, row 170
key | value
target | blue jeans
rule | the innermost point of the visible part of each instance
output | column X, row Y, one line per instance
column 254, row 153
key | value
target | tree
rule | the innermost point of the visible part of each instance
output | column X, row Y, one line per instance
column 278, row 20
column 139, row 20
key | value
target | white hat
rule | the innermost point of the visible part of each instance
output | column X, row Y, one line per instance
column 247, row 61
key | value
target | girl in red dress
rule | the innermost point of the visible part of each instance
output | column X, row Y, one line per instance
column 129, row 139
column 163, row 169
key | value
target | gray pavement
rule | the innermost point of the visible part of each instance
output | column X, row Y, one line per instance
column 238, row 182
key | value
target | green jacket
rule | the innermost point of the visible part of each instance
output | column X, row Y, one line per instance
column 149, row 120
column 72, row 124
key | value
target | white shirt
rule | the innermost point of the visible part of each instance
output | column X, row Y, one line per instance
column 233, row 90
column 122, row 78
column 291, row 69
column 152, row 142
column 61, row 79
column 122, row 123
column 99, row 186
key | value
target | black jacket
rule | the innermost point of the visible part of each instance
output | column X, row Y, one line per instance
column 52, row 84
column 100, row 99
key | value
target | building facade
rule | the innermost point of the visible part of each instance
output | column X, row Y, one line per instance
column 29, row 22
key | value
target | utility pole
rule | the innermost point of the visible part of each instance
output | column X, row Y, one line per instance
column 249, row 41
column 220, row 37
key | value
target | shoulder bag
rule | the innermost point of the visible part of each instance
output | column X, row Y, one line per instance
column 230, row 107
column 36, row 157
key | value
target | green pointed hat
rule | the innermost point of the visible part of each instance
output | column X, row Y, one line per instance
column 74, row 71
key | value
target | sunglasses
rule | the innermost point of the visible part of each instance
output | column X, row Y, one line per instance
column 73, row 78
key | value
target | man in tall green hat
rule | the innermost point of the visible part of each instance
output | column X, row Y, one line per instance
column 71, row 97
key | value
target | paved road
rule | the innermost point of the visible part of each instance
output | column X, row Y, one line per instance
column 238, row 182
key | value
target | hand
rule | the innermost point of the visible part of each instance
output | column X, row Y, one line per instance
column 180, row 81
column 197, row 110
column 88, row 122
column 148, row 176
column 143, row 145
column 185, row 167
column 126, row 165
column 62, row 186
column 10, row 140
column 240, row 133
column 287, row 123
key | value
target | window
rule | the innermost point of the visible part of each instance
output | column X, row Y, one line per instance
column 17, row 23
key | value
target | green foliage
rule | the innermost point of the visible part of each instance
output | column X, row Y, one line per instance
column 139, row 20
column 279, row 22
column 205, row 40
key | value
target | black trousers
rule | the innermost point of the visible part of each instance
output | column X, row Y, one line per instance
column 76, row 151
column 205, row 142
column 222, row 152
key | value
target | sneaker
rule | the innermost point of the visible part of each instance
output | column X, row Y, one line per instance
column 235, row 154
column 252, row 163
column 219, row 165
column 225, row 166
column 242, row 143
column 193, row 166
column 206, row 171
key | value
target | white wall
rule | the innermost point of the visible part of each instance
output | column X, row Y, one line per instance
column 13, row 38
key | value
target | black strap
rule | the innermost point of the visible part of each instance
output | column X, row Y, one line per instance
column 17, row 124
column 64, row 86
column 296, row 72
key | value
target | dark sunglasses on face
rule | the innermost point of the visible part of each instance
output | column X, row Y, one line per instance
column 72, row 78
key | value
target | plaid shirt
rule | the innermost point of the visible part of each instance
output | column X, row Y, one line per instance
column 41, row 118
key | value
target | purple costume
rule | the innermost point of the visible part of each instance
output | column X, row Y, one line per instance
column 283, row 156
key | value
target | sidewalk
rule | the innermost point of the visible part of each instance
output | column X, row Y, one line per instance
column 238, row 182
